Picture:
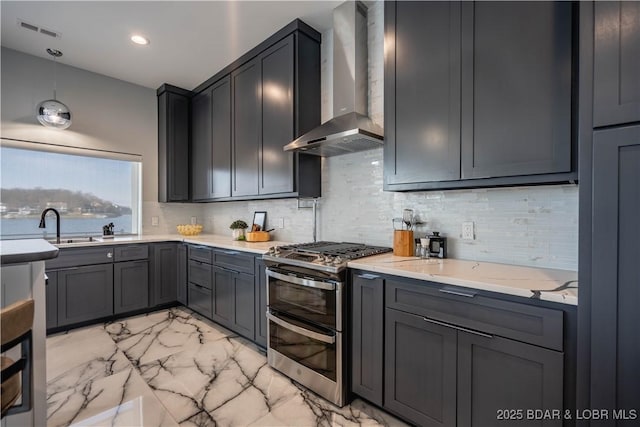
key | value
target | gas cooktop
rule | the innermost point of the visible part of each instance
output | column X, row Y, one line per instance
column 325, row 256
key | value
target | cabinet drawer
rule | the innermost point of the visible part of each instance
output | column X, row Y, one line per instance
column 81, row 256
column 201, row 253
column 235, row 260
column 200, row 273
column 130, row 253
column 535, row 325
column 200, row 300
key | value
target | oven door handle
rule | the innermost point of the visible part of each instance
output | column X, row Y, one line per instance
column 302, row 282
column 302, row 331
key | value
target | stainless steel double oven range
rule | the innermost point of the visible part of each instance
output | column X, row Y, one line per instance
column 306, row 301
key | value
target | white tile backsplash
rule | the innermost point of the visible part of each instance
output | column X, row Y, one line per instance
column 534, row 226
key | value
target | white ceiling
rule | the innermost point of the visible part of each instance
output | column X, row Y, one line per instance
column 190, row 41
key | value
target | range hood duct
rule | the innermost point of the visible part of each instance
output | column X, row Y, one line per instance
column 351, row 129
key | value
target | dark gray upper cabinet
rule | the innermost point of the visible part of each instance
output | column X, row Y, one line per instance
column 516, row 80
column 85, row 293
column 275, row 165
column 495, row 374
column 173, row 144
column 478, row 95
column 615, row 272
column 274, row 95
column 420, row 369
column 616, row 85
column 165, row 273
column 367, row 320
column 422, row 92
column 130, row 286
column 247, row 106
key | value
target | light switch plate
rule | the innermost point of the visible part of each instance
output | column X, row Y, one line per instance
column 155, row 221
column 194, row 220
column 468, row 231
column 278, row 223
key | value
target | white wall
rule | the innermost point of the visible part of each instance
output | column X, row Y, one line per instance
column 108, row 114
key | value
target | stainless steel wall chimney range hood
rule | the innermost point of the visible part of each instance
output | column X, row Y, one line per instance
column 351, row 129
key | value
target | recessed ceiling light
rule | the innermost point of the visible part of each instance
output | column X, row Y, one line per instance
column 138, row 39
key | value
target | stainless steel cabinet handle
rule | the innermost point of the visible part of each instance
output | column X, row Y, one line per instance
column 458, row 328
column 228, row 270
column 302, row 282
column 368, row 276
column 298, row 330
column 230, row 252
column 456, row 291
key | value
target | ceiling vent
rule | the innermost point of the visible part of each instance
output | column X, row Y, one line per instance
column 38, row 29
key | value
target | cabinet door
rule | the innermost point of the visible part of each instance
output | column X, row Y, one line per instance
column 261, row 303
column 422, row 92
column 221, row 139
column 615, row 290
column 420, row 369
column 85, row 293
column 516, row 88
column 247, row 128
column 130, row 286
column 276, row 165
column 173, row 146
column 497, row 374
column 182, row 274
column 52, row 299
column 165, row 273
column 201, row 144
column 367, row 312
column 616, row 63
column 222, row 296
column 244, row 314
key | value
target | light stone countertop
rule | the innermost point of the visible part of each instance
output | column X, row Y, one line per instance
column 27, row 250
column 529, row 282
column 218, row 241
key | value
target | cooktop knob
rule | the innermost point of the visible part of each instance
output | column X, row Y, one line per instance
column 338, row 260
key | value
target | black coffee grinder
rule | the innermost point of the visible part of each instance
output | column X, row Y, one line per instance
column 437, row 245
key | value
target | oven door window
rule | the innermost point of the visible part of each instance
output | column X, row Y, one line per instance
column 307, row 303
column 312, row 351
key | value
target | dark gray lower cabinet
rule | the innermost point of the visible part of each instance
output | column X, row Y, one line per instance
column 200, row 299
column 52, row 299
column 233, row 300
column 261, row 303
column 367, row 320
column 497, row 374
column 420, row 369
column 244, row 305
column 85, row 293
column 222, row 294
column 130, row 286
column 165, row 273
column 182, row 274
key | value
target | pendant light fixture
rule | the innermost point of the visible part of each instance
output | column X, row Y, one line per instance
column 53, row 113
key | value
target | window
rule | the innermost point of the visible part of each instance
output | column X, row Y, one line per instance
column 88, row 191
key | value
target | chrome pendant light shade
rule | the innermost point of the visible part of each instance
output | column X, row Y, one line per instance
column 53, row 113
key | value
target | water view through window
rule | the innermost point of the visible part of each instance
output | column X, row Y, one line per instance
column 89, row 192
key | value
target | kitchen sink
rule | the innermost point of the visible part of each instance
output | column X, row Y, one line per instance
column 76, row 240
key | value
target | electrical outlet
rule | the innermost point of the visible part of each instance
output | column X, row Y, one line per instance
column 278, row 223
column 194, row 220
column 155, row 221
column 468, row 231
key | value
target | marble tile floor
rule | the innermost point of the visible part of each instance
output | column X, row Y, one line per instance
column 173, row 367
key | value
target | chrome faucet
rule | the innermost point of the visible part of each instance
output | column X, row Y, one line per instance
column 43, row 224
